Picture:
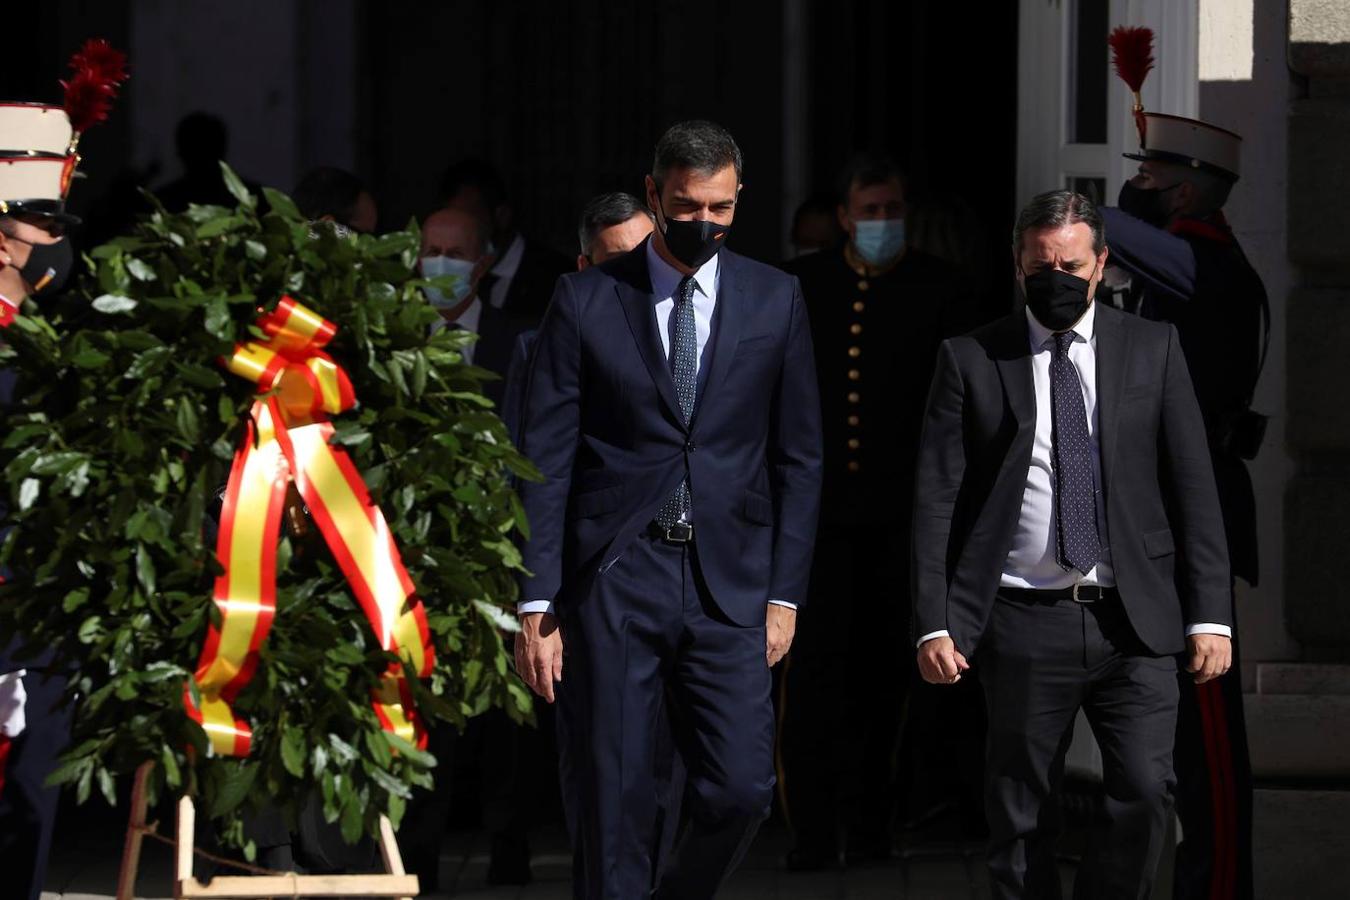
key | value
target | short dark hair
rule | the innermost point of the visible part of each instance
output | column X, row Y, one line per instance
column 201, row 138
column 1055, row 209
column 606, row 211
column 869, row 168
column 328, row 191
column 478, row 174
column 698, row 144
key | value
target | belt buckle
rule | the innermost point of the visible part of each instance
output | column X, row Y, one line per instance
column 679, row 533
column 1087, row 587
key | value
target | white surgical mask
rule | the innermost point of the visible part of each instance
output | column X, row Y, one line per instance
column 439, row 266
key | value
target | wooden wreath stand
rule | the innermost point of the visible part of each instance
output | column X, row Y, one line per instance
column 396, row 883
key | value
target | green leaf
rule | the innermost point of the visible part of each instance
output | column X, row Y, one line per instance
column 113, row 304
column 145, row 569
column 139, row 270
column 497, row 616
column 218, row 322
column 281, row 205
column 236, row 187
column 234, row 785
column 28, row 493
column 293, row 750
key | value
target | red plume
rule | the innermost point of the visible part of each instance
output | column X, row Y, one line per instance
column 1132, row 54
column 96, row 71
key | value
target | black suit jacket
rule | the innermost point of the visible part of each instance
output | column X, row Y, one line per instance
column 528, row 295
column 602, row 422
column 1162, row 510
column 496, row 344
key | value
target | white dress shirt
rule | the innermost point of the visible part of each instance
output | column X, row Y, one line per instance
column 666, row 280
column 504, row 271
column 1032, row 561
column 468, row 320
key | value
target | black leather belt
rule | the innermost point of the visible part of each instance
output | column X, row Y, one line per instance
column 1079, row 593
column 679, row 533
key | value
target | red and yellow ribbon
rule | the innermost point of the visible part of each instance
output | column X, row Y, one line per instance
column 289, row 438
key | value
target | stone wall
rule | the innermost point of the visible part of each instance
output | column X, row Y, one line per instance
column 1317, row 527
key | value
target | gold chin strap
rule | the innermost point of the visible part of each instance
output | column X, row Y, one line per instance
column 4, row 208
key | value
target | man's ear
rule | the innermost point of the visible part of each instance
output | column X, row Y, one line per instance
column 653, row 195
column 582, row 262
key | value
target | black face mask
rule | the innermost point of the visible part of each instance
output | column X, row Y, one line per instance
column 1146, row 204
column 693, row 242
column 1057, row 299
column 48, row 267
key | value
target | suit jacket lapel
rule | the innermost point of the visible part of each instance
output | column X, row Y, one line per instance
column 635, row 296
column 1013, row 356
column 1112, row 352
column 726, row 331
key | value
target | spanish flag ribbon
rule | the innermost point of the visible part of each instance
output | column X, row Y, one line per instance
column 289, row 438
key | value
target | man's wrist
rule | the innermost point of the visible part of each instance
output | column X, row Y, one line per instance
column 1209, row 628
column 933, row 635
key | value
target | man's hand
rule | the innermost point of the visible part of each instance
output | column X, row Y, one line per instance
column 1210, row 656
column 779, row 627
column 940, row 662
column 539, row 653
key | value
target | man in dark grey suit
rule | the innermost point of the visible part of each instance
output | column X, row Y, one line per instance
column 1068, row 542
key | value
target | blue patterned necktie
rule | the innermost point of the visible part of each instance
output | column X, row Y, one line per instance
column 1075, row 501
column 684, row 369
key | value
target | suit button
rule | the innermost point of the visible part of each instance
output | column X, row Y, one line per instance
column 853, row 421
column 859, row 306
column 854, row 374
column 853, row 466
column 863, row 285
column 854, row 397
column 855, row 352
column 854, row 443
column 855, row 328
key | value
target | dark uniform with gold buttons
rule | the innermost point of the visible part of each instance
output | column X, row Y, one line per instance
column 876, row 335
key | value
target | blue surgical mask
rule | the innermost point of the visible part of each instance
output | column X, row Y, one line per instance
column 878, row 241
column 439, row 266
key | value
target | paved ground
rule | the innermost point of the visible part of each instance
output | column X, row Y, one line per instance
column 86, row 866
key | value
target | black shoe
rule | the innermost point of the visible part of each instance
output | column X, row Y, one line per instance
column 812, row 859
column 510, row 861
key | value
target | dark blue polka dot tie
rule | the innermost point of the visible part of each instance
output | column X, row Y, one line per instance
column 1075, row 502
column 684, row 368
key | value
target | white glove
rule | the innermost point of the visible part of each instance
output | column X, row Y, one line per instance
column 12, row 699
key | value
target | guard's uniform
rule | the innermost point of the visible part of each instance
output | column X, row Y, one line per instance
column 876, row 335
column 1194, row 274
column 37, row 163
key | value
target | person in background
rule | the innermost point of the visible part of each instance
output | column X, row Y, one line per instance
column 611, row 225
column 522, row 276
column 815, row 224
column 202, row 141
column 879, row 310
column 328, row 194
column 1187, row 268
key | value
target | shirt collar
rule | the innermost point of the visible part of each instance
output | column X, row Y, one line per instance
column 509, row 263
column 1084, row 330
column 666, row 278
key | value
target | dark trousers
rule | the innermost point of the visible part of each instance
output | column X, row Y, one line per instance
column 841, row 721
column 1214, row 791
column 1039, row 664
column 647, row 641
column 27, row 805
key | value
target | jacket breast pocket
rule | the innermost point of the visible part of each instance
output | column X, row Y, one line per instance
column 758, row 343
column 595, row 503
column 1159, row 543
column 758, row 508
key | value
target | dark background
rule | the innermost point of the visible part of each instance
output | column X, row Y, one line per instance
column 568, row 98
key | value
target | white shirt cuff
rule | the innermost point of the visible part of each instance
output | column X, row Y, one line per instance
column 788, row 603
column 1209, row 628
column 930, row 635
column 527, row 607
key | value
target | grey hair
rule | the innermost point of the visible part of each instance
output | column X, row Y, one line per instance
column 606, row 211
column 1055, row 209
column 703, row 146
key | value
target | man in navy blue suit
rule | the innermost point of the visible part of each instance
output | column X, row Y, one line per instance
column 672, row 408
